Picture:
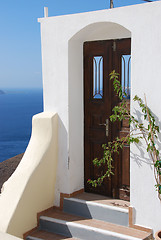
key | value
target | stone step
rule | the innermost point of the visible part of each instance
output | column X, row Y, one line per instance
column 90, row 209
column 79, row 227
column 43, row 235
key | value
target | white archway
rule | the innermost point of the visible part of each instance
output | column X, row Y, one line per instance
column 92, row 32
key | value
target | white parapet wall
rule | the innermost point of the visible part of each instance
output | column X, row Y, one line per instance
column 6, row 236
column 31, row 187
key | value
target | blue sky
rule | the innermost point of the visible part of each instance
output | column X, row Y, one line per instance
column 20, row 46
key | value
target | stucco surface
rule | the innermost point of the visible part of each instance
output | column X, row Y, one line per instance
column 31, row 187
column 62, row 64
column 5, row 236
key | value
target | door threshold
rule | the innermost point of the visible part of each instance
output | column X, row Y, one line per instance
column 103, row 200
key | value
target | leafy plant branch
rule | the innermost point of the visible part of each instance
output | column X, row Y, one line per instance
column 145, row 129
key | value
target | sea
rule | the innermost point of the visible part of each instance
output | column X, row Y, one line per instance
column 17, row 107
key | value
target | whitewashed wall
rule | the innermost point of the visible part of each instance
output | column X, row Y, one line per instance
column 62, row 63
column 6, row 236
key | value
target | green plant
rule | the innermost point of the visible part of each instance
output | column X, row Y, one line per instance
column 145, row 129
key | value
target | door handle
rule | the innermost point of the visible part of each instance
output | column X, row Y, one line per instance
column 102, row 124
column 107, row 126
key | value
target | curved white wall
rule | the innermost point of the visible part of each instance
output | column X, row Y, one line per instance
column 31, row 187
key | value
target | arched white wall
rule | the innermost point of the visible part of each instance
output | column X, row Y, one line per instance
column 92, row 32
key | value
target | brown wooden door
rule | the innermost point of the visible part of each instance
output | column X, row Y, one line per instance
column 100, row 58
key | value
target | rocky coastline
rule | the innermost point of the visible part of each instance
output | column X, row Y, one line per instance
column 7, row 168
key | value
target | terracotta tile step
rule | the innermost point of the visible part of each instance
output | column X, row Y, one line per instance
column 97, row 224
column 39, row 234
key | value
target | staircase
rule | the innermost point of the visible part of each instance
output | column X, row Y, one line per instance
column 88, row 217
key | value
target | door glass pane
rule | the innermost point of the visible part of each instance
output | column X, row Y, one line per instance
column 126, row 74
column 97, row 77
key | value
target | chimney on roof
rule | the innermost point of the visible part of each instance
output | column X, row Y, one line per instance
column 111, row 3
column 45, row 12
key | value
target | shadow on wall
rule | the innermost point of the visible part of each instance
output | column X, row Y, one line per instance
column 62, row 174
column 143, row 156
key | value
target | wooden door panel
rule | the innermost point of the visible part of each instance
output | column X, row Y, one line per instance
column 95, row 172
column 96, row 119
column 99, row 99
column 96, row 111
column 125, row 166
